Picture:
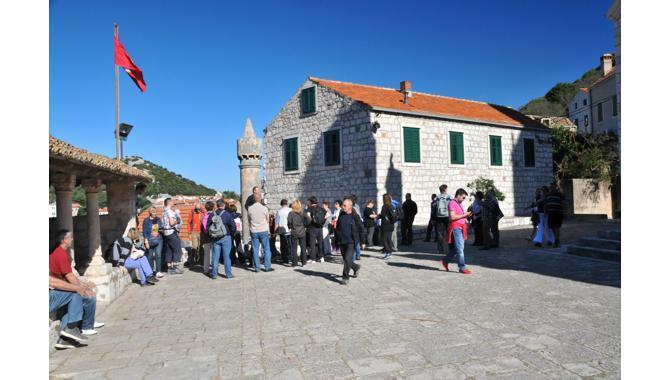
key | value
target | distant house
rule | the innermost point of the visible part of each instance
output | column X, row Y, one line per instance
column 554, row 121
column 595, row 109
column 335, row 138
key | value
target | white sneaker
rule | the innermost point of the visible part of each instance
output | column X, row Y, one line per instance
column 97, row 325
column 159, row 275
column 310, row 261
column 321, row 260
column 89, row 332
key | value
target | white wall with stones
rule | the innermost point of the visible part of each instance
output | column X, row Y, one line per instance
column 372, row 162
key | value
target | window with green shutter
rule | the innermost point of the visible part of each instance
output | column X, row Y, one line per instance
column 495, row 143
column 308, row 100
column 412, row 144
column 456, row 150
column 600, row 112
column 331, row 148
column 529, row 152
column 291, row 154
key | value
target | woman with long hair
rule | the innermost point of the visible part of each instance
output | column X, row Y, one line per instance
column 388, row 218
column 297, row 224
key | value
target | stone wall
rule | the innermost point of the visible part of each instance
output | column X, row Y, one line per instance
column 584, row 196
column 372, row 162
column 517, row 182
column 356, row 174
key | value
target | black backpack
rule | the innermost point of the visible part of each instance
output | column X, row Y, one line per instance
column 318, row 216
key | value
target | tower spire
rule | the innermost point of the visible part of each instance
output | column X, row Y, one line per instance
column 249, row 130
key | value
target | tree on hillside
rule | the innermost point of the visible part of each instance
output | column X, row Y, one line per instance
column 562, row 93
column 542, row 106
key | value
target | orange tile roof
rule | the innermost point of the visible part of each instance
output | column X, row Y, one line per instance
column 430, row 105
column 605, row 77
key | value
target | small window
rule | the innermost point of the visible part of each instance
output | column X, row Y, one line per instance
column 600, row 112
column 495, row 143
column 291, row 154
column 456, row 148
column 529, row 152
column 584, row 102
column 308, row 100
column 615, row 110
column 412, row 145
column 331, row 148
column 575, row 105
column 586, row 121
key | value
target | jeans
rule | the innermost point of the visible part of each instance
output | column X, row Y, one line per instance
column 206, row 256
column 173, row 248
column 285, row 246
column 142, row 264
column 490, row 228
column 349, row 264
column 156, row 256
column 544, row 230
column 459, row 243
column 370, row 235
column 394, row 237
column 74, row 302
column 222, row 247
column 327, row 249
column 387, row 240
column 258, row 238
column 357, row 251
column 88, row 319
column 315, row 243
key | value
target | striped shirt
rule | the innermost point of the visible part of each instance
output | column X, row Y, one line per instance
column 554, row 203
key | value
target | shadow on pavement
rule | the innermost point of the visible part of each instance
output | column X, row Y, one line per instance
column 327, row 276
column 411, row 266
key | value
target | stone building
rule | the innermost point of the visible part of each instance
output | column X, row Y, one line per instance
column 333, row 138
column 69, row 167
column 597, row 106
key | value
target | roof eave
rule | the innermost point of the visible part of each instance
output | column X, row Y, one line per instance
column 457, row 118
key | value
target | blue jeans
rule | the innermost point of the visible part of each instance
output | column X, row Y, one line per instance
column 357, row 251
column 89, row 313
column 263, row 238
column 459, row 243
column 156, row 256
column 74, row 302
column 221, row 247
column 142, row 264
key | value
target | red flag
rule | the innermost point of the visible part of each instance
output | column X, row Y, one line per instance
column 122, row 59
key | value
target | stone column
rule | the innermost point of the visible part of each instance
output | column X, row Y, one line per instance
column 121, row 206
column 64, row 184
column 92, row 187
column 249, row 154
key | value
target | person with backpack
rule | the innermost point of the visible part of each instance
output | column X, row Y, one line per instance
column 409, row 210
column 205, row 239
column 350, row 229
column 220, row 228
column 259, row 226
column 317, row 217
column 491, row 214
column 388, row 218
column 296, row 222
column 399, row 215
column 457, row 231
column 442, row 217
column 153, row 241
column 237, row 255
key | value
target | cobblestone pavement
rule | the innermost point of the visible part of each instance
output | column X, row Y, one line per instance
column 523, row 314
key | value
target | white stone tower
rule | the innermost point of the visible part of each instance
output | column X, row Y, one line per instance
column 249, row 154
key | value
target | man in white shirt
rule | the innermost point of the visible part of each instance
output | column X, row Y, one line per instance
column 171, row 238
column 281, row 227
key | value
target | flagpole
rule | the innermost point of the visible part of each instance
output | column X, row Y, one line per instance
column 116, row 87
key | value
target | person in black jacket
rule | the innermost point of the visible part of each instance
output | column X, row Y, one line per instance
column 409, row 209
column 388, row 223
column 296, row 224
column 317, row 216
column 369, row 221
column 350, row 231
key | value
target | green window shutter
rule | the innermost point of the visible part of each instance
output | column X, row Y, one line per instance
column 331, row 148
column 600, row 112
column 496, row 150
column 456, row 148
column 412, row 145
column 308, row 100
column 291, row 154
column 529, row 152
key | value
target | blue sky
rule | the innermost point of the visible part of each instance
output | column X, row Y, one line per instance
column 210, row 64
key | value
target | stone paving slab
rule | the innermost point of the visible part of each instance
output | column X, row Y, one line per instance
column 523, row 314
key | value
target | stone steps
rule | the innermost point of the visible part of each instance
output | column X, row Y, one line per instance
column 610, row 234
column 597, row 242
column 596, row 253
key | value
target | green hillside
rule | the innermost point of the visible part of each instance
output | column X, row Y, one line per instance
column 555, row 101
column 167, row 182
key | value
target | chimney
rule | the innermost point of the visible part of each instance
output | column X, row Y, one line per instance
column 406, row 90
column 606, row 63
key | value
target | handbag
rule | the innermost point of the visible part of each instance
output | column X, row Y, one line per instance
column 136, row 254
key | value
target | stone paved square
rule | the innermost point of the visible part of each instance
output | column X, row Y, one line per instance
column 523, row 314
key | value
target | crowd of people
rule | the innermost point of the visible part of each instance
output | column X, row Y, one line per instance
column 307, row 234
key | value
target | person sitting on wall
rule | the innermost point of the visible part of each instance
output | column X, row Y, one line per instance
column 61, row 269
column 131, row 257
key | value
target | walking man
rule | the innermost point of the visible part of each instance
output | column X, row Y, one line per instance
column 171, row 236
column 221, row 227
column 409, row 211
column 457, row 232
column 442, row 217
column 259, row 226
column 350, row 230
